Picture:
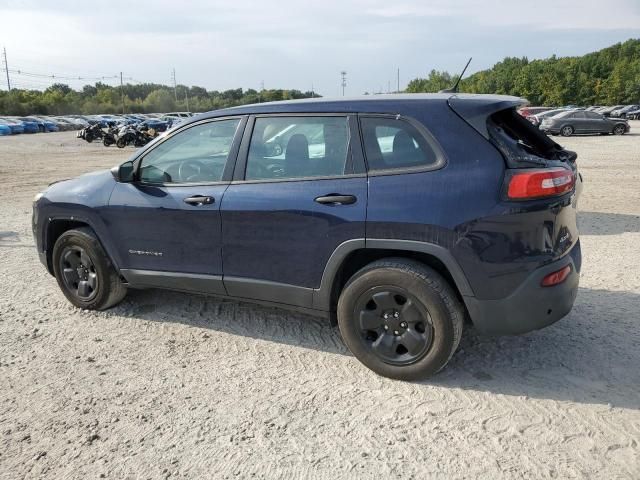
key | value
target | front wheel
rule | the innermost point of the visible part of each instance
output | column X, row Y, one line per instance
column 566, row 131
column 400, row 318
column 84, row 272
column 619, row 130
column 121, row 142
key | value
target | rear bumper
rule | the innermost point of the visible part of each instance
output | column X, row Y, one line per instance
column 531, row 306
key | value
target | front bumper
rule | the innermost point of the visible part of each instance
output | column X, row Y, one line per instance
column 531, row 306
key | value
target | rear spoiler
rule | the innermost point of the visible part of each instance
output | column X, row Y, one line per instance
column 475, row 109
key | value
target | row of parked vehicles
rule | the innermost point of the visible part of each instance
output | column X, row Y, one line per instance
column 570, row 120
column 10, row 125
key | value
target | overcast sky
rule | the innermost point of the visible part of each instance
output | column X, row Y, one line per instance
column 297, row 44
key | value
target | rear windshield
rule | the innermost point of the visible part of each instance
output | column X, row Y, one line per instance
column 520, row 142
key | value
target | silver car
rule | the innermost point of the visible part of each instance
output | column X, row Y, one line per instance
column 581, row 121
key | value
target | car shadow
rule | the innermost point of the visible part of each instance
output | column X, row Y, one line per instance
column 590, row 356
column 600, row 223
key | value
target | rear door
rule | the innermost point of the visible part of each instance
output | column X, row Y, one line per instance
column 299, row 191
column 597, row 123
column 580, row 122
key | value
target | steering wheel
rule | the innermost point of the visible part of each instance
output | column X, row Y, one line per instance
column 190, row 169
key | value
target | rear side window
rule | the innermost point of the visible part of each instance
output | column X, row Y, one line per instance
column 390, row 143
column 298, row 147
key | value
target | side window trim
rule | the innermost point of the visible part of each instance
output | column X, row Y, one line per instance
column 355, row 156
column 441, row 159
column 231, row 159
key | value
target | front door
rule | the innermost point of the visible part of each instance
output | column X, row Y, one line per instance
column 300, row 192
column 167, row 221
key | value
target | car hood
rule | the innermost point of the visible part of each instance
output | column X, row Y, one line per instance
column 90, row 188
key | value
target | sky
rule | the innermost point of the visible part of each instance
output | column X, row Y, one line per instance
column 296, row 43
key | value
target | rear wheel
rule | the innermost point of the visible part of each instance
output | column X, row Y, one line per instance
column 84, row 272
column 400, row 318
column 619, row 129
column 566, row 131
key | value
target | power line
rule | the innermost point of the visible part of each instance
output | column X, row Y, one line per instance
column 58, row 76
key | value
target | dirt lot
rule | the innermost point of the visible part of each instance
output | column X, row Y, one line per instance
column 183, row 386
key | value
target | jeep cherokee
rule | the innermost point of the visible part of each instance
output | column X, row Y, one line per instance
column 398, row 216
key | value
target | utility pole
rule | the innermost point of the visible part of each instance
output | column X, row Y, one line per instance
column 175, row 88
column 344, row 81
column 398, row 90
column 6, row 68
column 122, row 92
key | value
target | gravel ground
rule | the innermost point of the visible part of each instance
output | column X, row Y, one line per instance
column 184, row 386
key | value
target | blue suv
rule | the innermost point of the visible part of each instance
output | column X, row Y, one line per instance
column 399, row 217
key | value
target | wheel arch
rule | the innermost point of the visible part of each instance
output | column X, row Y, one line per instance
column 57, row 226
column 351, row 256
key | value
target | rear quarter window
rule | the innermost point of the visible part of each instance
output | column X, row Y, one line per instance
column 395, row 144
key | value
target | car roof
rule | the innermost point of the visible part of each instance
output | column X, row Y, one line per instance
column 388, row 103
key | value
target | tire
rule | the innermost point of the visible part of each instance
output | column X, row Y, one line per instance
column 80, row 263
column 413, row 326
column 121, row 142
column 566, row 131
column 107, row 142
column 619, row 129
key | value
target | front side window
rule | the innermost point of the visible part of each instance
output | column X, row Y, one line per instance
column 297, row 147
column 390, row 143
column 197, row 154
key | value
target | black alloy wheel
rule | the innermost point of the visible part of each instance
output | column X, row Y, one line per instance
column 394, row 325
column 78, row 272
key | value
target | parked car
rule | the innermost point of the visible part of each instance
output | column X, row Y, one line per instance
column 32, row 125
column 4, row 129
column 537, row 118
column 633, row 114
column 366, row 214
column 622, row 112
column 606, row 111
column 78, row 122
column 44, row 124
column 16, row 126
column 580, row 121
column 63, row 124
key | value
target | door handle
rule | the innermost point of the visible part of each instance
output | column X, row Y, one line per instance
column 198, row 200
column 336, row 199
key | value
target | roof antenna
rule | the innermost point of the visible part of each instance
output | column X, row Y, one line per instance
column 454, row 89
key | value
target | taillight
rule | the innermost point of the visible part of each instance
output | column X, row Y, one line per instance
column 539, row 183
column 556, row 278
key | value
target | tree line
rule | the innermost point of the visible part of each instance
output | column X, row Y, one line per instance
column 610, row 76
column 60, row 99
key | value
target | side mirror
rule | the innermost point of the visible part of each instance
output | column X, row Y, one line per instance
column 123, row 173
